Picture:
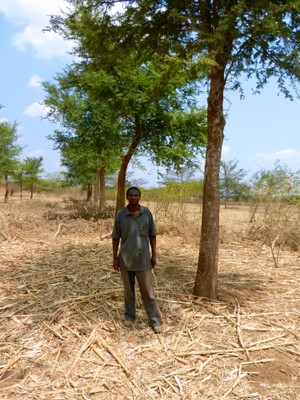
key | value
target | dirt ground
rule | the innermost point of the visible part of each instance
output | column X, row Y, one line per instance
column 61, row 304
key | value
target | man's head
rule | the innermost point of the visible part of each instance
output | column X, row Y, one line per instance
column 133, row 188
column 133, row 195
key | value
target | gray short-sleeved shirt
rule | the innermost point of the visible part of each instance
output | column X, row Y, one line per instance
column 134, row 233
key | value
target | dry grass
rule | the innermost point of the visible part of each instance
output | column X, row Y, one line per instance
column 61, row 306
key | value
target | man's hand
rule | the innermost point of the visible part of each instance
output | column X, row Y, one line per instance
column 115, row 244
column 116, row 265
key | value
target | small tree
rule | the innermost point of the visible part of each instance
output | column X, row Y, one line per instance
column 9, row 152
column 86, row 143
column 231, row 180
column 32, row 167
column 19, row 178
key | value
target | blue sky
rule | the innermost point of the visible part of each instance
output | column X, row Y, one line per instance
column 259, row 130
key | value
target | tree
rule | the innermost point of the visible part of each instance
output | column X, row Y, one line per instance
column 230, row 39
column 147, row 93
column 9, row 152
column 32, row 167
column 85, row 151
column 184, row 174
column 231, row 180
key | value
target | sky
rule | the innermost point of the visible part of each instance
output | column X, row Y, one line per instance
column 260, row 129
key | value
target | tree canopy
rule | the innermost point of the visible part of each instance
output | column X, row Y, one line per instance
column 9, row 151
column 152, row 97
column 31, row 168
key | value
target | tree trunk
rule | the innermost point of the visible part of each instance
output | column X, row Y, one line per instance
column 97, row 187
column 6, row 189
column 207, row 273
column 89, row 192
column 121, row 182
column 124, row 164
column 102, row 187
column 31, row 193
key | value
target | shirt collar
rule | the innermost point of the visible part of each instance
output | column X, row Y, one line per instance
column 129, row 213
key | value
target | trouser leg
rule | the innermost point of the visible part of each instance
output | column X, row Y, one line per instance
column 144, row 279
column 128, row 278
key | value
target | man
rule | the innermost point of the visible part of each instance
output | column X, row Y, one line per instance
column 134, row 226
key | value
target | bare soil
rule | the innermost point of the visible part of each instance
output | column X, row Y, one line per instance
column 61, row 305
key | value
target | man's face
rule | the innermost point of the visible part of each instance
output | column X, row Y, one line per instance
column 133, row 197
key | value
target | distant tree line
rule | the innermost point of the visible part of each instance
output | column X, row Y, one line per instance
column 24, row 172
column 262, row 187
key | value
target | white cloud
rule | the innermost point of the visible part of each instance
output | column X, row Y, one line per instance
column 31, row 17
column 35, row 81
column 289, row 153
column 36, row 110
column 45, row 44
column 37, row 153
column 20, row 11
column 57, row 163
column 279, row 155
column 226, row 149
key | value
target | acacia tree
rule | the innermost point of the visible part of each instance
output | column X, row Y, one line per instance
column 9, row 152
column 230, row 39
column 31, row 167
column 85, row 152
column 146, row 93
column 231, row 180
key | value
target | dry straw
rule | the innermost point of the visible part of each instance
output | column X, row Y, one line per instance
column 61, row 307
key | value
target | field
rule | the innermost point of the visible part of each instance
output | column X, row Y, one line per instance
column 61, row 303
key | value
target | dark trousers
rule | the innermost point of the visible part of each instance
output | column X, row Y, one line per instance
column 144, row 279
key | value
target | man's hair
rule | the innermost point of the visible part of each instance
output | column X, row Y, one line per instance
column 133, row 188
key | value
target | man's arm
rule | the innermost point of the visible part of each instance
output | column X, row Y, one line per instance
column 115, row 243
column 152, row 240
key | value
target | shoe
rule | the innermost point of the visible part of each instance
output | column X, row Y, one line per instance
column 157, row 328
column 128, row 323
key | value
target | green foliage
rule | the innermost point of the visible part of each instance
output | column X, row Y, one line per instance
column 254, row 38
column 232, row 183
column 176, row 207
column 9, row 149
column 174, row 192
column 151, row 96
column 32, row 168
column 55, row 183
column 277, row 185
column 83, row 143
column 27, row 173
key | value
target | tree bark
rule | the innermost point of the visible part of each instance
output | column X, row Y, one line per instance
column 207, row 272
column 6, row 189
column 97, row 188
column 124, row 164
column 89, row 192
column 102, row 187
